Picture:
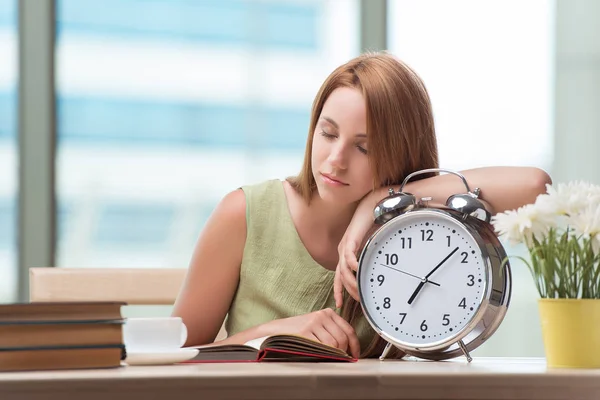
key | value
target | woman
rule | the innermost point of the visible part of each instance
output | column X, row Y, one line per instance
column 276, row 257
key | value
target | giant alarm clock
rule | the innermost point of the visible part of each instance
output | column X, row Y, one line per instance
column 434, row 281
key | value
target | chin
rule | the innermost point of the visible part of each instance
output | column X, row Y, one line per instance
column 338, row 196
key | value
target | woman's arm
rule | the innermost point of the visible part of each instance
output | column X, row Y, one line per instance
column 212, row 280
column 503, row 188
column 214, row 271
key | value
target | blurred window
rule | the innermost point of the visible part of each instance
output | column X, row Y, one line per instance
column 8, row 152
column 164, row 106
column 488, row 66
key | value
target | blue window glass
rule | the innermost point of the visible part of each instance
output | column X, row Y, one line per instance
column 164, row 106
column 8, row 153
column 226, row 22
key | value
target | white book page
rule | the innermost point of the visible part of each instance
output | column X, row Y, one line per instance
column 256, row 343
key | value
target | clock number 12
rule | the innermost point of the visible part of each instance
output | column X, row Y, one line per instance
column 427, row 235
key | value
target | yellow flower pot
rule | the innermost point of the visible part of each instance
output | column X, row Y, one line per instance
column 571, row 332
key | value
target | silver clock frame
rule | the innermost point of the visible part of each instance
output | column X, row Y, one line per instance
column 496, row 299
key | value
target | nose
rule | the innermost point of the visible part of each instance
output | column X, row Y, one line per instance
column 338, row 157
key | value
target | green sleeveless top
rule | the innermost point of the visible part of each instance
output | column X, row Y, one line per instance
column 278, row 276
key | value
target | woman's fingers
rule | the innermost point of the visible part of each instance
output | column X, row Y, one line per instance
column 344, row 277
column 348, row 278
column 350, row 256
column 325, row 337
column 338, row 286
column 338, row 333
column 349, row 282
column 331, row 329
column 353, row 344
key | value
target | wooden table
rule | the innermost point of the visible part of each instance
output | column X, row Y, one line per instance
column 484, row 378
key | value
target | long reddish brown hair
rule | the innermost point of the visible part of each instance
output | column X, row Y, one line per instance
column 400, row 134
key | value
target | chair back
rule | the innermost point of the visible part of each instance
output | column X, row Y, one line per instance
column 148, row 286
column 135, row 286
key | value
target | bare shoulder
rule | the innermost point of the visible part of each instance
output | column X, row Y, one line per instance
column 223, row 237
column 226, row 226
column 231, row 210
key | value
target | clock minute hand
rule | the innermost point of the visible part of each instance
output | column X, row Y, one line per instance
column 441, row 262
column 420, row 286
column 409, row 274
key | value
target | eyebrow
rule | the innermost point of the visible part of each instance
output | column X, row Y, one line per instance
column 332, row 122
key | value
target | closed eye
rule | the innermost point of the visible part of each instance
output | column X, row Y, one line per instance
column 327, row 135
column 330, row 137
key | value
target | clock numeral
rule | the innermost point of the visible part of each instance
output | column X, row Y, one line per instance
column 423, row 326
column 463, row 303
column 448, row 237
column 403, row 314
column 427, row 235
column 446, row 320
column 471, row 280
column 380, row 279
column 386, row 303
column 406, row 241
column 464, row 254
column 391, row 259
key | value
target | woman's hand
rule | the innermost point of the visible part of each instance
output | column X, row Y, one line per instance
column 324, row 325
column 348, row 248
column 502, row 187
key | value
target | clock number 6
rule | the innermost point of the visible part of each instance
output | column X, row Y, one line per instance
column 423, row 326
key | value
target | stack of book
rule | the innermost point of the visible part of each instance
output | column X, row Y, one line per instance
column 57, row 335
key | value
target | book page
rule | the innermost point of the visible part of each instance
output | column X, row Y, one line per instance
column 225, row 352
column 216, row 347
column 302, row 344
column 256, row 343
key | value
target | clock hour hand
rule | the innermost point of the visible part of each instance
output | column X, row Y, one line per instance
column 409, row 274
column 420, row 286
column 416, row 292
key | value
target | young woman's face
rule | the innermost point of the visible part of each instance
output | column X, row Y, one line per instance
column 340, row 164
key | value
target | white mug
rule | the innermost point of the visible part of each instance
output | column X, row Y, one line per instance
column 154, row 334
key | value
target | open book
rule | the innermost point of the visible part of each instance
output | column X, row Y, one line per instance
column 272, row 348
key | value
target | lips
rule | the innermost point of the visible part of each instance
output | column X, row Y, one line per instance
column 333, row 178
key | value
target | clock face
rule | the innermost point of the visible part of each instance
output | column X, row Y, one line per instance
column 422, row 278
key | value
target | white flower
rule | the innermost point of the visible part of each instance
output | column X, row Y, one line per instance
column 551, row 203
column 568, row 198
column 524, row 224
column 587, row 224
column 574, row 206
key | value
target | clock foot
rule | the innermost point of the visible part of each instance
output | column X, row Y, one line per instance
column 464, row 350
column 385, row 352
